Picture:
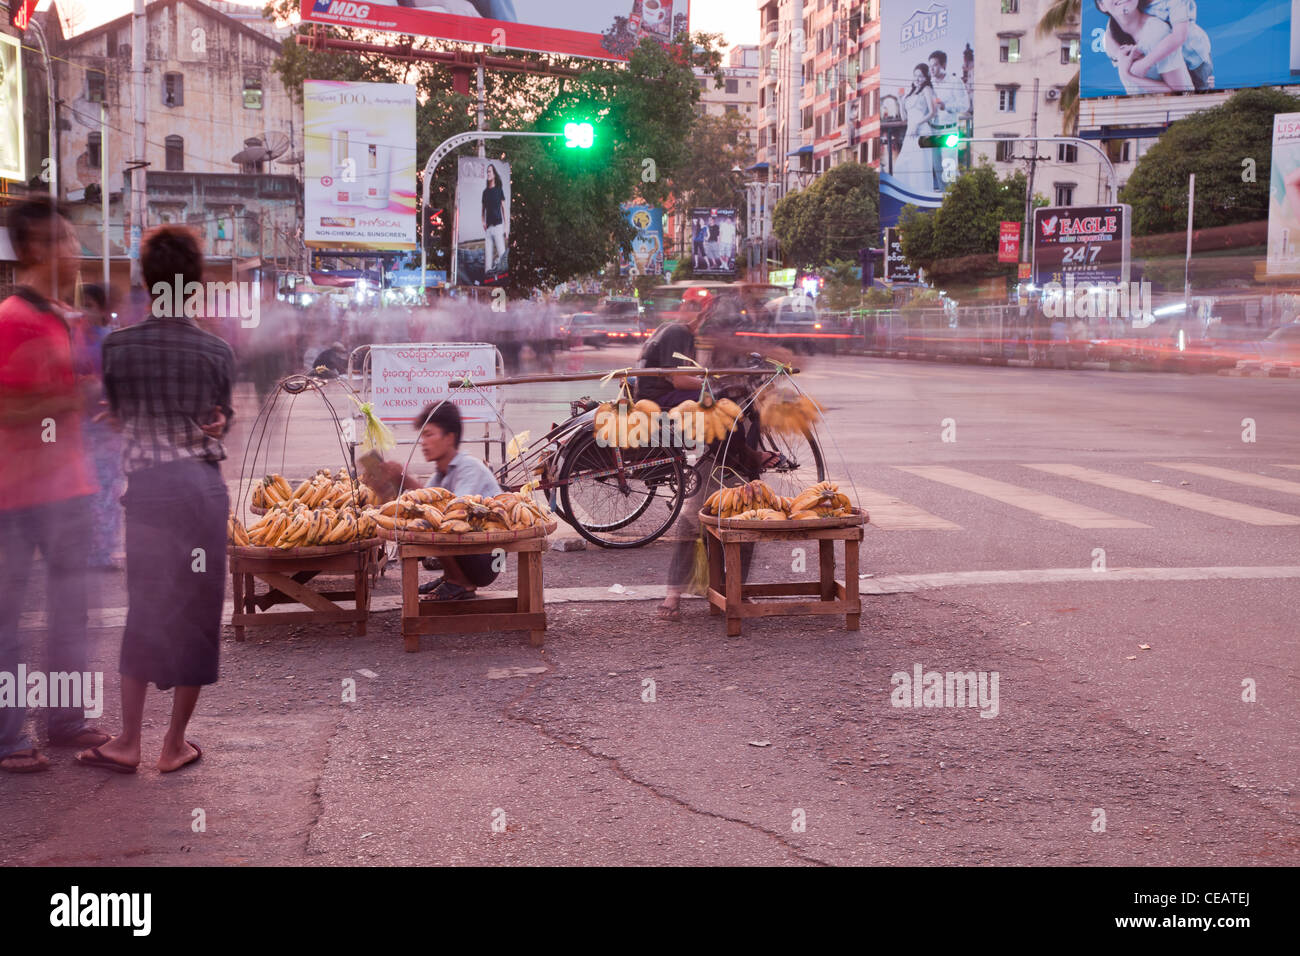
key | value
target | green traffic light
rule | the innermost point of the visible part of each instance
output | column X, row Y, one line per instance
column 579, row 135
column 940, row 141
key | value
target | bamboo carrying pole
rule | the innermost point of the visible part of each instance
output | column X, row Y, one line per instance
column 595, row 376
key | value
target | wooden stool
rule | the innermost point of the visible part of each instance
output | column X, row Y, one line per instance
column 524, row 611
column 286, row 574
column 727, row 592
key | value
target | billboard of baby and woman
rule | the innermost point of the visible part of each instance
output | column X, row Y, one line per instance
column 1132, row 47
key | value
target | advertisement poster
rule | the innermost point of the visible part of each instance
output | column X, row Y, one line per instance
column 1085, row 244
column 406, row 378
column 1174, row 46
column 713, row 241
column 927, row 73
column 602, row 29
column 12, row 164
column 647, row 257
column 360, row 165
column 482, row 242
column 1284, row 197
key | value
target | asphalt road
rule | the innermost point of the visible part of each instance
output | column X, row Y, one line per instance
column 1126, row 605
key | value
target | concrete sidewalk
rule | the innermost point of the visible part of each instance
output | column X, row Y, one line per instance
column 629, row 741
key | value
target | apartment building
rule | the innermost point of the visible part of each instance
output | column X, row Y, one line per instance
column 839, row 105
column 1010, row 57
column 780, row 127
column 224, row 137
column 739, row 92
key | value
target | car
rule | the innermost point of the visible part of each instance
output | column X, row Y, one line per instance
column 595, row 329
column 1282, row 344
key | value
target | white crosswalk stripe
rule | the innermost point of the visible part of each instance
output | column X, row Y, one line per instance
column 1227, row 474
column 890, row 514
column 1046, row 506
column 1207, row 504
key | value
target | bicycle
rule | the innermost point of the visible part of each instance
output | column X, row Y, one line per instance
column 628, row 497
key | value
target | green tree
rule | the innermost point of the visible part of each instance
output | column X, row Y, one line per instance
column 832, row 219
column 1061, row 15
column 843, row 289
column 940, row 241
column 566, row 219
column 1214, row 144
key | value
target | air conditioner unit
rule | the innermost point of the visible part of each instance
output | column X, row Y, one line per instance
column 1053, row 95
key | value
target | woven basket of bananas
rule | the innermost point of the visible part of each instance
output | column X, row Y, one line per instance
column 756, row 506
column 436, row 516
column 321, row 490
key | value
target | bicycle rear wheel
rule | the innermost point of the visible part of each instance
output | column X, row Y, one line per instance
column 621, row 498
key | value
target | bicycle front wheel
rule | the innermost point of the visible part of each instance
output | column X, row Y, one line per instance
column 621, row 498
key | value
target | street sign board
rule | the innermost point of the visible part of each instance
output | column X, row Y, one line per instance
column 1089, row 244
column 1009, row 242
column 896, row 267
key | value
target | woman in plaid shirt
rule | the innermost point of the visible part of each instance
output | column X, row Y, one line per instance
column 169, row 384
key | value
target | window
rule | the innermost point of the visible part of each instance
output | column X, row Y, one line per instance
column 110, row 43
column 1007, row 99
column 252, row 93
column 1067, row 153
column 173, row 89
column 704, row 83
column 733, row 86
column 807, row 117
column 1010, row 6
column 95, row 86
column 730, row 108
column 1009, row 49
column 1069, row 50
column 1119, row 150
column 1006, row 150
column 1065, row 194
column 175, row 147
column 93, row 154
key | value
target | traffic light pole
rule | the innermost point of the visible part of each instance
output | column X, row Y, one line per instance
column 1112, row 186
column 439, row 154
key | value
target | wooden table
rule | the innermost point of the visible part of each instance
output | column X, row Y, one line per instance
column 524, row 611
column 727, row 592
column 286, row 574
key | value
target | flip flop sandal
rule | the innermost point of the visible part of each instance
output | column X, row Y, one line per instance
column 669, row 615
column 428, row 587
column 198, row 755
column 41, row 761
column 448, row 591
column 85, row 738
column 95, row 758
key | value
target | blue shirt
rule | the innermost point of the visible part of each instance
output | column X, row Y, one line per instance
column 466, row 475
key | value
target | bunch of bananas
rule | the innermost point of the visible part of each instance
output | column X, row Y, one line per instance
column 625, row 424
column 438, row 510
column 295, row 525
column 323, row 489
column 707, row 420
column 823, row 500
column 787, row 413
column 745, row 499
column 235, row 531
column 756, row 501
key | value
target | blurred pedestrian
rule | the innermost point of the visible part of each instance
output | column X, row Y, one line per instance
column 169, row 384
column 45, row 479
column 103, row 442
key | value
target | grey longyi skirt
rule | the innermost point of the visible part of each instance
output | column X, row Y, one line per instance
column 175, row 573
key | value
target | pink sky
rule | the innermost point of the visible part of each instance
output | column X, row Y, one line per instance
column 737, row 20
